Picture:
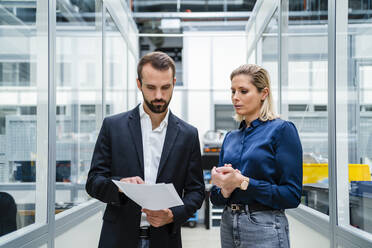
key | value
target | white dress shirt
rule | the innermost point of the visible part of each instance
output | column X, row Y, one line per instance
column 152, row 142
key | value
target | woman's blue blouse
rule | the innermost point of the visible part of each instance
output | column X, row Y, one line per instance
column 270, row 154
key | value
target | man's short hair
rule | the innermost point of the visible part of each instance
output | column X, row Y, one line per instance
column 159, row 60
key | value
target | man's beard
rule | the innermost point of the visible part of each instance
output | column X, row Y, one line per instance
column 157, row 109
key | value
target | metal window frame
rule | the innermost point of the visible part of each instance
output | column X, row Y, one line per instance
column 42, row 231
column 104, row 68
column 283, row 9
column 192, row 15
column 312, row 218
column 51, row 186
column 332, row 156
column 24, row 236
column 355, row 237
column 211, row 83
column 73, row 216
column 258, row 30
column 115, row 8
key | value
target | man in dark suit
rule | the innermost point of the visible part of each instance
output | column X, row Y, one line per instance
column 147, row 144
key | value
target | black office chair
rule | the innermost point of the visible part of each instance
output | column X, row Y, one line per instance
column 8, row 214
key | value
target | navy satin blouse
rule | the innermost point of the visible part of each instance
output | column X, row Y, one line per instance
column 270, row 154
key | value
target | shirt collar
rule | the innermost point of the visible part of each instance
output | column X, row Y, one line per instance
column 254, row 124
column 164, row 122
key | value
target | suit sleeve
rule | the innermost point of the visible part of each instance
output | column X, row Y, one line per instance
column 194, row 191
column 99, row 184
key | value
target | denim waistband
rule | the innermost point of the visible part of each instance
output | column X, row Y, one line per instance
column 238, row 208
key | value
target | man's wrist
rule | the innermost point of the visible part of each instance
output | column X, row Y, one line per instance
column 170, row 216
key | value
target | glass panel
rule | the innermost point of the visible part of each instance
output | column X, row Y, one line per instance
column 132, row 36
column 155, row 6
column 313, row 5
column 115, row 69
column 21, row 132
column 170, row 45
column 192, row 6
column 202, row 6
column 304, row 101
column 207, row 68
column 176, row 103
column 132, row 84
column 270, row 55
column 226, row 59
column 354, row 115
column 203, row 113
column 243, row 5
column 78, row 97
column 173, row 47
column 198, row 61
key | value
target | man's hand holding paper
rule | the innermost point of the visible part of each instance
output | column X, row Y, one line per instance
column 158, row 218
column 135, row 180
column 151, row 196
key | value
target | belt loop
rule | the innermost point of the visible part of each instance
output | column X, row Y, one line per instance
column 246, row 208
column 144, row 232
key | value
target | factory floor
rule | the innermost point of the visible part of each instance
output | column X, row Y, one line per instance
column 199, row 237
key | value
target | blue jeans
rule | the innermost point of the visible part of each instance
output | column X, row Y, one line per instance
column 144, row 243
column 260, row 229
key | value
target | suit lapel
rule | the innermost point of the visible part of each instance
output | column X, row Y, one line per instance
column 170, row 138
column 135, row 131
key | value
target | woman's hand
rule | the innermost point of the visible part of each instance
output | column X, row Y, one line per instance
column 227, row 178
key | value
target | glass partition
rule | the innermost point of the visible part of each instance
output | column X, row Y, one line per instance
column 305, row 99
column 303, row 89
column 116, row 59
column 270, row 55
column 132, row 83
column 78, row 98
column 154, row 6
column 206, row 72
column 354, row 116
column 192, row 6
column 31, row 46
column 23, row 114
column 202, row 6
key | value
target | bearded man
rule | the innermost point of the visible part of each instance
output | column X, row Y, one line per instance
column 147, row 144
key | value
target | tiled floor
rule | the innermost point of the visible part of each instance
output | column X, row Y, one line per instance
column 199, row 237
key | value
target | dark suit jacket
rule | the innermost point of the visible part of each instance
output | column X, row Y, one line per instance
column 119, row 153
column 8, row 216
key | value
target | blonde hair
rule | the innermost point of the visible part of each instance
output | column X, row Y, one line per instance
column 260, row 79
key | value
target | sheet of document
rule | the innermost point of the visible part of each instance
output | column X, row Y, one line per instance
column 151, row 196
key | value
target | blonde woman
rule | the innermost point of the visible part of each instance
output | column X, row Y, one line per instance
column 260, row 167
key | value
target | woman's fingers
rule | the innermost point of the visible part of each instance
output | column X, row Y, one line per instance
column 217, row 178
column 225, row 169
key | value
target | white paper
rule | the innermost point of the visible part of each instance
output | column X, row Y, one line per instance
column 151, row 196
